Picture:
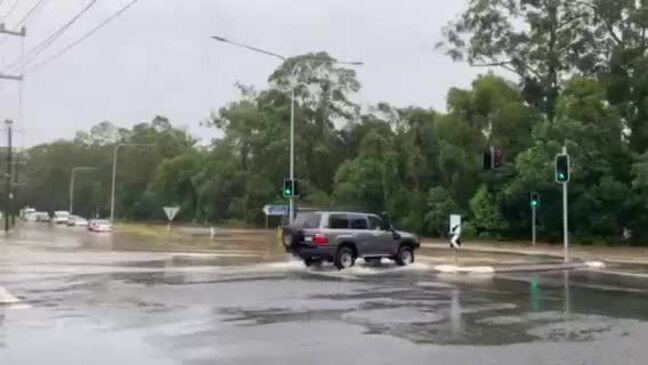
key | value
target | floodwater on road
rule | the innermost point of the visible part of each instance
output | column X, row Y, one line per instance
column 89, row 299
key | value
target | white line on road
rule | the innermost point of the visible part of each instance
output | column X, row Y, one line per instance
column 6, row 297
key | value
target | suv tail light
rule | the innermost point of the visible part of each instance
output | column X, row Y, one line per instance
column 320, row 239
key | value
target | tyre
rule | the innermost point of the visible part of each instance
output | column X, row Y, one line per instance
column 405, row 255
column 312, row 262
column 286, row 239
column 344, row 258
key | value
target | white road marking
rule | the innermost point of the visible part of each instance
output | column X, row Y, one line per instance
column 465, row 270
column 621, row 273
column 595, row 264
column 8, row 299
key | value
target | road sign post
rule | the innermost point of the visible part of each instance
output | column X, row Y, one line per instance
column 171, row 213
column 563, row 175
column 275, row 210
column 455, row 235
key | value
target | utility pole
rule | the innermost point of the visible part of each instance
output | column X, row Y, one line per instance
column 8, row 175
column 114, row 173
column 14, row 182
column 9, row 206
column 21, row 33
column 71, row 192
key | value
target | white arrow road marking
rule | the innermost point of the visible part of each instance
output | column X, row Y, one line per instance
column 10, row 301
column 6, row 297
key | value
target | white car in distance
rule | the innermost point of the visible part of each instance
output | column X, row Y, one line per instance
column 100, row 225
column 76, row 221
column 60, row 217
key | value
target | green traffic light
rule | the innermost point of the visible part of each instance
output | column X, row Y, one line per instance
column 287, row 192
column 534, row 203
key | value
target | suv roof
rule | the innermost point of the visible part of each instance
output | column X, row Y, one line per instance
column 337, row 211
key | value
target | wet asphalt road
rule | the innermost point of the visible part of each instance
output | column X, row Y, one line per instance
column 86, row 299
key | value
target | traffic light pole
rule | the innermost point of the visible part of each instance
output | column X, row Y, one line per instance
column 565, row 227
column 533, row 224
column 291, row 209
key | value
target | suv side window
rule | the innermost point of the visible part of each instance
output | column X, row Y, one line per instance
column 376, row 223
column 338, row 221
column 308, row 220
column 358, row 222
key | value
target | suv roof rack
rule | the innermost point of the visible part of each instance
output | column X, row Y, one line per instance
column 341, row 209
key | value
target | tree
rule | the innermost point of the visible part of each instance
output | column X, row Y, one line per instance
column 487, row 218
column 440, row 207
column 323, row 92
column 601, row 165
column 539, row 41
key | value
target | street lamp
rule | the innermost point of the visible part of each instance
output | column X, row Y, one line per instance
column 292, row 102
column 114, row 173
column 74, row 170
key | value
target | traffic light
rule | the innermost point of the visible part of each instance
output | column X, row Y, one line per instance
column 488, row 160
column 296, row 188
column 562, row 168
column 493, row 158
column 498, row 157
column 534, row 200
column 287, row 188
column 290, row 188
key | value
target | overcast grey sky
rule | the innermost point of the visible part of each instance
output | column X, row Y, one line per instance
column 158, row 58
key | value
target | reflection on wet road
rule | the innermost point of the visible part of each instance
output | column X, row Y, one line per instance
column 84, row 299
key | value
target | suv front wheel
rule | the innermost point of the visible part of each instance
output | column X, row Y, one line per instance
column 405, row 255
column 344, row 258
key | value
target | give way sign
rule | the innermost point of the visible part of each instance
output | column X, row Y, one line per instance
column 171, row 212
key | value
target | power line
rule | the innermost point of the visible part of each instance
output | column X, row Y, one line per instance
column 29, row 13
column 39, row 48
column 11, row 10
column 84, row 37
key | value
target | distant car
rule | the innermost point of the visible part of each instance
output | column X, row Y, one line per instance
column 100, row 225
column 341, row 237
column 42, row 217
column 29, row 215
column 60, row 217
column 76, row 221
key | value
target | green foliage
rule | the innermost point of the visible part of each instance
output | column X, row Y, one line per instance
column 487, row 219
column 418, row 165
column 440, row 206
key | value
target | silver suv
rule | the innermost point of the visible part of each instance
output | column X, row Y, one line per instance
column 341, row 237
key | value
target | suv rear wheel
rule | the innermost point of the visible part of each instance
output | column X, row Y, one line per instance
column 344, row 258
column 405, row 255
column 286, row 239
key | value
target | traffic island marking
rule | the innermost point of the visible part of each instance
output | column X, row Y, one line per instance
column 7, row 298
column 489, row 270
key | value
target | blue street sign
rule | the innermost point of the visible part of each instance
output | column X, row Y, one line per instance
column 275, row 210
